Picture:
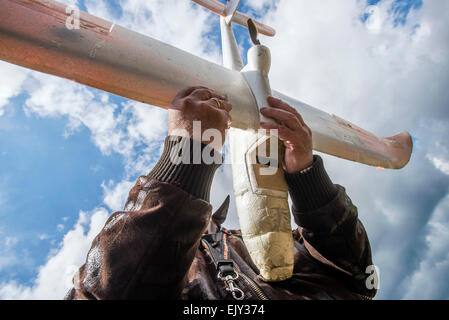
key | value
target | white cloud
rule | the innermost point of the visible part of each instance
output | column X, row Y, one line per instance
column 16, row 77
column 114, row 128
column 11, row 241
column 55, row 276
column 43, row 236
column 179, row 23
column 70, row 2
column 54, row 97
column 147, row 124
column 329, row 58
column 440, row 164
column 425, row 282
column 257, row 4
column 7, row 259
column 115, row 195
column 8, row 256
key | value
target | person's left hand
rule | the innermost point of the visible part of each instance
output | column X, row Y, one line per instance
column 293, row 131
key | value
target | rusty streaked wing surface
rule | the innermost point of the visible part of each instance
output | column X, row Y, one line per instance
column 33, row 34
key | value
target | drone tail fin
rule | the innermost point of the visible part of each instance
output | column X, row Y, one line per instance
column 230, row 13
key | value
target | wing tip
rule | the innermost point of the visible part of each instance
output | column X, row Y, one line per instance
column 403, row 145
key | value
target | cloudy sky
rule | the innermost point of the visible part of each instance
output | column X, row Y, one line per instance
column 69, row 154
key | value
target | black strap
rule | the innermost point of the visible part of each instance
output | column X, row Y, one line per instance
column 216, row 245
column 225, row 268
column 217, row 248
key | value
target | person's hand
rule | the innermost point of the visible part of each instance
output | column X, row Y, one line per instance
column 293, row 131
column 203, row 105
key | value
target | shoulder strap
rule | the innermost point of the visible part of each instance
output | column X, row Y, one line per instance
column 216, row 247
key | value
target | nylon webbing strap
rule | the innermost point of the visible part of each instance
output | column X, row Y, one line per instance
column 216, row 247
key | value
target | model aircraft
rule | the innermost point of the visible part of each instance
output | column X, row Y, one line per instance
column 111, row 58
column 106, row 56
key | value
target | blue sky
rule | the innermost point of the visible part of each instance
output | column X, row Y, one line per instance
column 46, row 177
column 56, row 163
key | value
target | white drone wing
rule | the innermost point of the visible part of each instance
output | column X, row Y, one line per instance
column 33, row 34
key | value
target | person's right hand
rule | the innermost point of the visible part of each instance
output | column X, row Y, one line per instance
column 203, row 105
column 293, row 131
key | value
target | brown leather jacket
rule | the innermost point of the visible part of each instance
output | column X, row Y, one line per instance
column 152, row 249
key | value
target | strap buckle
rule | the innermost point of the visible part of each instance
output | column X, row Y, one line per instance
column 226, row 268
column 228, row 275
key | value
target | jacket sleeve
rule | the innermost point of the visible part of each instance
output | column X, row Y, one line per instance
column 329, row 225
column 146, row 251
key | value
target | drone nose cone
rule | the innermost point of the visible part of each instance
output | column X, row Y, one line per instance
column 259, row 58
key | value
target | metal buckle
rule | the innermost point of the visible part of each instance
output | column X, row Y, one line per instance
column 229, row 279
column 236, row 292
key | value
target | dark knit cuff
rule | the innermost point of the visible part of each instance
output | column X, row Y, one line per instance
column 188, row 164
column 312, row 189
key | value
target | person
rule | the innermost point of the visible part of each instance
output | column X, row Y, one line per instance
column 166, row 243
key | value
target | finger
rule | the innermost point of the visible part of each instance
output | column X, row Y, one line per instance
column 283, row 116
column 226, row 118
column 229, row 119
column 186, row 91
column 227, row 105
column 204, row 93
column 211, row 107
column 222, row 104
column 201, row 94
column 278, row 103
column 282, row 132
column 218, row 96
